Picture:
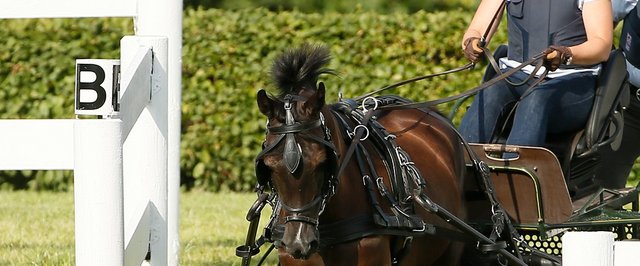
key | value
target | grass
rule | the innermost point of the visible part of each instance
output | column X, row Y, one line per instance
column 213, row 225
column 37, row 228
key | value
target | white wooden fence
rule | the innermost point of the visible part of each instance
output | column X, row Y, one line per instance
column 126, row 165
column 598, row 249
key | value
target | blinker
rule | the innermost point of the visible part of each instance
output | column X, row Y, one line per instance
column 292, row 151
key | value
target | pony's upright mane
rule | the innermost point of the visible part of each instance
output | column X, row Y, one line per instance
column 299, row 68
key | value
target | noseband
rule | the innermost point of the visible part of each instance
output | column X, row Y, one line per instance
column 292, row 157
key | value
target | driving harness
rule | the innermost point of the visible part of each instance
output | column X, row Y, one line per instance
column 367, row 139
column 399, row 166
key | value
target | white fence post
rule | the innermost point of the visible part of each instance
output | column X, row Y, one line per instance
column 99, row 228
column 587, row 249
column 164, row 18
column 145, row 153
column 150, row 161
column 626, row 252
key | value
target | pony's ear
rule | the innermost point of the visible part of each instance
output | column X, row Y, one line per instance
column 316, row 101
column 265, row 104
column 321, row 91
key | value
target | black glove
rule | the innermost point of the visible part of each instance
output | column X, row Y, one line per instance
column 472, row 49
column 555, row 56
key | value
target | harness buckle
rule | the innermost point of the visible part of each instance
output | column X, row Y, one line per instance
column 355, row 130
column 364, row 104
column 498, row 220
column 423, row 229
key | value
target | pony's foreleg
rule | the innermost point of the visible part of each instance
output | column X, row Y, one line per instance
column 452, row 255
column 432, row 251
column 369, row 251
column 374, row 250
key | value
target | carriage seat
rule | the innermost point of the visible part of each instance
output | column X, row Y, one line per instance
column 577, row 151
column 543, row 183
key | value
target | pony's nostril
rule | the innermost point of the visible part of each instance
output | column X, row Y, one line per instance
column 297, row 254
column 298, row 250
column 313, row 246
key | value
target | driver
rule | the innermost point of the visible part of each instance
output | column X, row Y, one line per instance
column 575, row 36
column 616, row 165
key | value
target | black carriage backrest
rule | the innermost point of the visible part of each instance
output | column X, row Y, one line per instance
column 603, row 128
column 609, row 95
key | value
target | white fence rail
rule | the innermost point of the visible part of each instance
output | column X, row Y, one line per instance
column 36, row 144
column 67, row 8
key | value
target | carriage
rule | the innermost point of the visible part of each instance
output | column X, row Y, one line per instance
column 381, row 173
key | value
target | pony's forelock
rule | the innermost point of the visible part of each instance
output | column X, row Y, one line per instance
column 300, row 68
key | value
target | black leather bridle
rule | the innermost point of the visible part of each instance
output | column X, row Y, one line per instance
column 292, row 157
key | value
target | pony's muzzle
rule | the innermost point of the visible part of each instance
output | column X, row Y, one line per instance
column 300, row 240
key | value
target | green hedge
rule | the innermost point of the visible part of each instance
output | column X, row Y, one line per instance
column 233, row 51
column 37, row 68
column 226, row 56
column 323, row 6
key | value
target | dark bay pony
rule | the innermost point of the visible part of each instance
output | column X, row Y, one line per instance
column 306, row 147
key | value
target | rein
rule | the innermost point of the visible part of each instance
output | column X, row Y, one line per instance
column 503, row 76
column 398, row 84
column 473, row 91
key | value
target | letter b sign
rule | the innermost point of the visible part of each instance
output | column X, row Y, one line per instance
column 97, row 86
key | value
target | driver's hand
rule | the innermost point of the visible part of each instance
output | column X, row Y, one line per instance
column 472, row 49
column 555, row 56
